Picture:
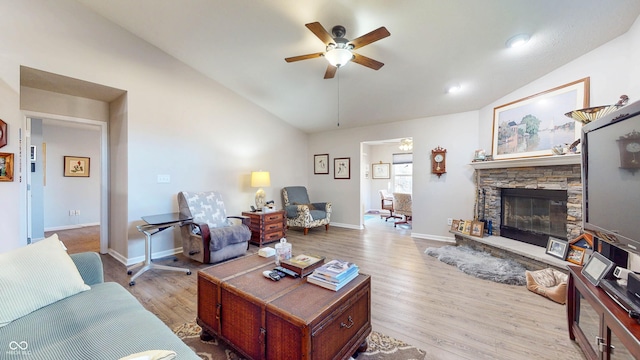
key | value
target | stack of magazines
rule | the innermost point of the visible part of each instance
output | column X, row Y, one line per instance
column 334, row 275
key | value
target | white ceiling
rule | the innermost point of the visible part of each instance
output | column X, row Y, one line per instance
column 433, row 44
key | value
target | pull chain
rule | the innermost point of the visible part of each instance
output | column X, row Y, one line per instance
column 338, row 97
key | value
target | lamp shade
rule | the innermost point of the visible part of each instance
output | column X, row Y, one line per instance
column 338, row 57
column 260, row 179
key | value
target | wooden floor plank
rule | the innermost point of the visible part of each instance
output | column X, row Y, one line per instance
column 415, row 298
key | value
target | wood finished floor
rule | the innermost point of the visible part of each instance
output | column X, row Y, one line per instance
column 415, row 297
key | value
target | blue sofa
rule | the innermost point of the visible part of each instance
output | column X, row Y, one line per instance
column 105, row 322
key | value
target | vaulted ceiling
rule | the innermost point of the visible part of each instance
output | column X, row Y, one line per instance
column 433, row 45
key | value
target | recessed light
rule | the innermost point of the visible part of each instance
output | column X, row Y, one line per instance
column 454, row 89
column 518, row 40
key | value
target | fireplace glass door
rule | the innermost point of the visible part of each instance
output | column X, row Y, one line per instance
column 532, row 215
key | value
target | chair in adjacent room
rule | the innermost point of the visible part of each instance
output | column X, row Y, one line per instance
column 402, row 206
column 386, row 203
column 211, row 236
column 301, row 212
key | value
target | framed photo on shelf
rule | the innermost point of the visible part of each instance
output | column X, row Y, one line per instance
column 467, row 227
column 6, row 166
column 477, row 229
column 454, row 225
column 381, row 170
column 557, row 248
column 460, row 225
column 576, row 254
column 321, row 164
column 527, row 128
column 342, row 168
column 76, row 166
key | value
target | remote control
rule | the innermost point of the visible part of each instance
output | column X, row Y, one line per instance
column 286, row 271
column 271, row 275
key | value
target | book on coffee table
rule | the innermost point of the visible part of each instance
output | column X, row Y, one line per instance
column 302, row 264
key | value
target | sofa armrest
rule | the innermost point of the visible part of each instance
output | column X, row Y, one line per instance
column 324, row 206
column 89, row 265
column 204, row 233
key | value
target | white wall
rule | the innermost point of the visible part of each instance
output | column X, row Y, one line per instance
column 61, row 193
column 176, row 121
column 434, row 198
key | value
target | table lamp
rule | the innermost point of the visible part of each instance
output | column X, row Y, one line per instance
column 258, row 180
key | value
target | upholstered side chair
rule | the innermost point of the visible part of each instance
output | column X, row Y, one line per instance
column 301, row 212
column 212, row 236
column 402, row 205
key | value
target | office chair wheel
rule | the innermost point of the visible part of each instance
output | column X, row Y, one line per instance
column 129, row 272
column 188, row 272
column 131, row 283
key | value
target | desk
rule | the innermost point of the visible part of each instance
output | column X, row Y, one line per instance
column 158, row 223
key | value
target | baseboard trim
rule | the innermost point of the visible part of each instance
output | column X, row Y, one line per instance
column 69, row 227
column 434, row 237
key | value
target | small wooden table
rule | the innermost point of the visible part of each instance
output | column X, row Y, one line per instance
column 266, row 227
column 286, row 319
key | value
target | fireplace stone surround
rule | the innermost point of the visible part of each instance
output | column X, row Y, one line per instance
column 561, row 172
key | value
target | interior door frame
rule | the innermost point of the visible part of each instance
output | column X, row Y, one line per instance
column 104, row 166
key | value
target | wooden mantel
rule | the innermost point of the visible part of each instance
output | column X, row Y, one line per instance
column 568, row 159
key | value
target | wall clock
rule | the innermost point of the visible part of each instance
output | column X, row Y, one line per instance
column 3, row 133
column 439, row 161
column 629, row 146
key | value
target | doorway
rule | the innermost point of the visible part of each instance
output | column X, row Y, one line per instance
column 54, row 201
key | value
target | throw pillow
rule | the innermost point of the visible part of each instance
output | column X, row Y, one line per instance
column 35, row 276
column 151, row 355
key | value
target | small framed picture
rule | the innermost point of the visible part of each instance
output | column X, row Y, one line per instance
column 6, row 166
column 576, row 254
column 342, row 168
column 32, row 154
column 381, row 170
column 557, row 248
column 454, row 225
column 477, row 228
column 467, row 227
column 479, row 155
column 321, row 164
column 460, row 225
column 76, row 166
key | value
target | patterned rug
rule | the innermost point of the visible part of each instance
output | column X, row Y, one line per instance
column 381, row 347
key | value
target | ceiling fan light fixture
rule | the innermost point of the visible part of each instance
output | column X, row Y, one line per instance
column 338, row 57
column 406, row 145
column 518, row 40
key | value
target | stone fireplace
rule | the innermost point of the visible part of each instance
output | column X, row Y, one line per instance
column 558, row 176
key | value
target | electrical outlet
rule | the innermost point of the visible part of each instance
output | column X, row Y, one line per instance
column 77, row 212
column 449, row 221
column 164, row 179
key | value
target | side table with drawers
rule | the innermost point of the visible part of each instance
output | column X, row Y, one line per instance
column 266, row 227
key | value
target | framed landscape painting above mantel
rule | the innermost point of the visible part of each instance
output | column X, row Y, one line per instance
column 531, row 126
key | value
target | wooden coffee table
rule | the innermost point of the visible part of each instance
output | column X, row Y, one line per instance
column 286, row 319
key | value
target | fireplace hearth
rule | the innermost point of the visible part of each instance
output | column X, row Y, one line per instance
column 532, row 215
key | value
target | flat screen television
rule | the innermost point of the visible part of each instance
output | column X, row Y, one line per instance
column 611, row 178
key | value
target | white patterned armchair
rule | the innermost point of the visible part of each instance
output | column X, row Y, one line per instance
column 403, row 205
column 211, row 236
column 301, row 212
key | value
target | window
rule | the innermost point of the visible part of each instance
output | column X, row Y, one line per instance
column 403, row 173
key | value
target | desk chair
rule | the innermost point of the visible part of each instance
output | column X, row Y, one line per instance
column 386, row 203
column 402, row 206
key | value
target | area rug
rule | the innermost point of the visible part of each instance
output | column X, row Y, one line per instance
column 381, row 347
column 480, row 264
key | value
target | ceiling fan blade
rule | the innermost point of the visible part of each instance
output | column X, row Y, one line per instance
column 319, row 31
column 303, row 57
column 368, row 62
column 366, row 39
column 331, row 72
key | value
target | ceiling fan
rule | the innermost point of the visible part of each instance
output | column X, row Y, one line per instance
column 339, row 51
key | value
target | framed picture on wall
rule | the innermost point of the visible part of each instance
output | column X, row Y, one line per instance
column 533, row 125
column 76, row 166
column 342, row 168
column 321, row 164
column 381, row 170
column 6, row 166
